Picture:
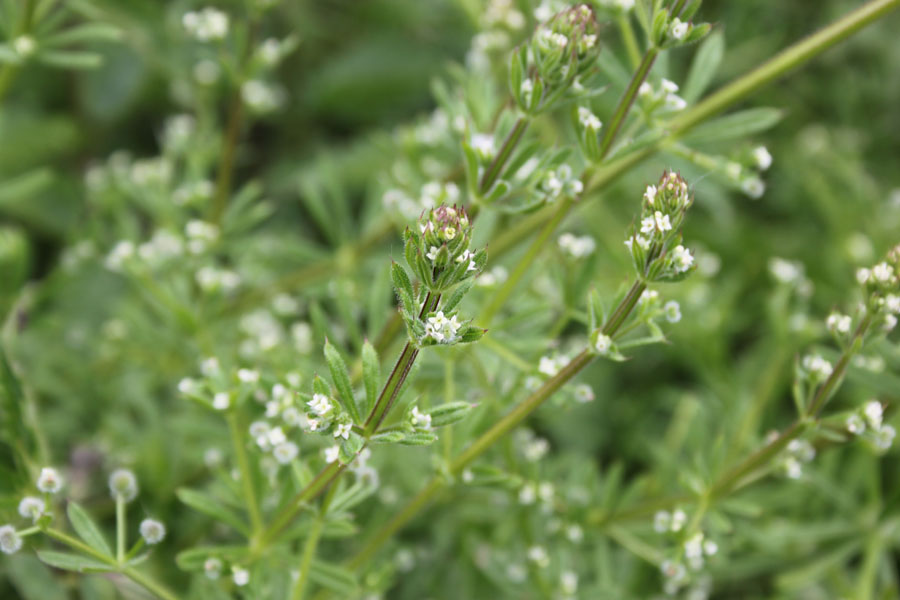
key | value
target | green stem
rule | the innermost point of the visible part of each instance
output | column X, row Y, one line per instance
column 319, row 483
column 502, row 295
column 398, row 374
column 139, row 578
column 509, row 144
column 229, row 148
column 868, row 572
column 309, row 548
column 8, row 70
column 506, row 424
column 121, row 528
column 781, row 63
column 627, row 100
column 240, row 453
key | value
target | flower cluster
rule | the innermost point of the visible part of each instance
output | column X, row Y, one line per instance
column 794, row 456
column 881, row 284
column 868, row 422
column 559, row 182
column 675, row 30
column 438, row 248
column 665, row 98
column 206, row 25
column 689, row 554
column 655, row 244
column 554, row 64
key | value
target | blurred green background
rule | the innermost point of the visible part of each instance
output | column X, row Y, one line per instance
column 362, row 68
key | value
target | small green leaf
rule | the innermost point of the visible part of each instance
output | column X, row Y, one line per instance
column 85, row 32
column 333, row 577
column 86, row 529
column 471, row 334
column 341, row 378
column 457, row 296
column 70, row 59
column 370, row 374
column 190, row 560
column 350, row 448
column 736, row 125
column 73, row 562
column 447, row 414
column 704, row 66
column 403, row 286
column 211, row 507
column 419, row 438
column 388, row 437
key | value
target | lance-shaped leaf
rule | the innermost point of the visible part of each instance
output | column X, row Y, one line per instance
column 73, row 562
column 447, row 414
column 341, row 379
column 86, row 529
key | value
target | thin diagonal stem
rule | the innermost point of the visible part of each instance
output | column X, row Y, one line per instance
column 511, row 420
column 624, row 106
column 240, row 452
column 509, row 144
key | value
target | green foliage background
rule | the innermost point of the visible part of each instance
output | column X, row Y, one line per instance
column 671, row 413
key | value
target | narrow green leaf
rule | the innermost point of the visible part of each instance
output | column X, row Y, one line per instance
column 704, row 66
column 403, row 286
column 370, row 374
column 86, row 529
column 419, row 438
column 190, row 560
column 457, row 295
column 341, row 378
column 447, row 414
column 735, row 125
column 211, row 507
column 85, row 32
column 333, row 577
column 70, row 59
column 72, row 562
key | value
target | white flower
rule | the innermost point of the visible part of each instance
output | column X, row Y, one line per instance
column 221, row 401
column 682, row 259
column 669, row 87
column 259, row 429
column 603, row 345
column 187, row 385
column 817, row 366
column 32, row 508
column 785, row 271
column 432, row 253
column 710, row 547
column 206, row 24
column 152, row 531
column 882, row 272
column 574, row 533
column 650, row 194
column 588, row 119
column 320, row 405
column 577, row 247
column 672, row 311
column 792, row 468
column 890, row 321
column 535, row 449
column 212, row 567
column 855, row 424
column 645, row 90
column 874, row 413
column 648, row 296
column 276, row 436
column 210, row 367
column 678, row 29
column 884, row 437
column 332, row 453
column 693, row 546
column 49, row 481
column 483, row 144
column 662, row 521
column 419, row 419
column 121, row 252
column 467, row 255
column 584, row 393
column 547, row 366
column 568, row 581
column 753, row 187
column 314, row 424
column 762, row 157
column 240, row 576
column 527, row 494
column 342, row 430
column 123, row 483
column 24, row 45
column 679, row 518
column 838, row 323
column 248, row 375
column 10, row 542
column 892, row 303
column 538, row 556
column 285, row 452
column 863, row 275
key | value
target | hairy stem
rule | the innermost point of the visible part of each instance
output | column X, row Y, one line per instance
column 509, row 144
column 624, row 106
